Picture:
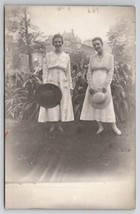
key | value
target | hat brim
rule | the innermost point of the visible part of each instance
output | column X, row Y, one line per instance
column 48, row 95
column 102, row 105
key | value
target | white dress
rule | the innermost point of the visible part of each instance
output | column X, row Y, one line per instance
column 56, row 70
column 100, row 74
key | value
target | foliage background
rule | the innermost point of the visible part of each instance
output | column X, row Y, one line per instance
column 22, row 37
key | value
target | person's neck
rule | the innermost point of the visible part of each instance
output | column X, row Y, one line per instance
column 101, row 53
column 58, row 51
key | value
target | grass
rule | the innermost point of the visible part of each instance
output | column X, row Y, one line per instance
column 32, row 154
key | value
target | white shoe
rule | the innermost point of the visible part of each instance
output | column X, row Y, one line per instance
column 60, row 129
column 52, row 128
column 116, row 130
column 100, row 130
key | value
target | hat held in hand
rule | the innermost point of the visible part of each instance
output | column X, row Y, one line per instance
column 99, row 99
column 48, row 95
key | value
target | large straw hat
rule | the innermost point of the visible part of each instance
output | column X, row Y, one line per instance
column 99, row 99
column 48, row 95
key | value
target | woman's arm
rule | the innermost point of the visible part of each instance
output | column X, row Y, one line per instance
column 109, row 77
column 45, row 69
column 69, row 74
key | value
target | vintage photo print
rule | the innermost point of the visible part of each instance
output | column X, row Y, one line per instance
column 70, row 107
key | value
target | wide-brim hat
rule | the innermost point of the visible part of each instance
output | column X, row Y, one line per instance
column 100, row 100
column 48, row 95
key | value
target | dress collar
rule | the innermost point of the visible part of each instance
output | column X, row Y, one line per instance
column 59, row 55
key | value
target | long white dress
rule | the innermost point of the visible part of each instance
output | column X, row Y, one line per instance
column 100, row 74
column 56, row 70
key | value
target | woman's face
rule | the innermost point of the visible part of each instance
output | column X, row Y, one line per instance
column 98, row 46
column 57, row 43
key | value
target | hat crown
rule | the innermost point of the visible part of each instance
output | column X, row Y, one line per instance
column 99, row 97
column 48, row 95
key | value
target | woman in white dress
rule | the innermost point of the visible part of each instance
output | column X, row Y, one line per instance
column 56, row 70
column 99, row 77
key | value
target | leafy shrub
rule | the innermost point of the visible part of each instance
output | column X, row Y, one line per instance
column 20, row 101
column 123, row 91
column 21, row 104
column 78, row 96
column 121, row 39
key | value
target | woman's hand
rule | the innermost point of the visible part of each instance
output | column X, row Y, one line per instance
column 92, row 91
column 104, row 90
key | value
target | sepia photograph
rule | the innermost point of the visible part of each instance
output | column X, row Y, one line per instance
column 70, row 107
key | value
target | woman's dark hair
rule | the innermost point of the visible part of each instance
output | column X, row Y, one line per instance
column 97, row 38
column 57, row 36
